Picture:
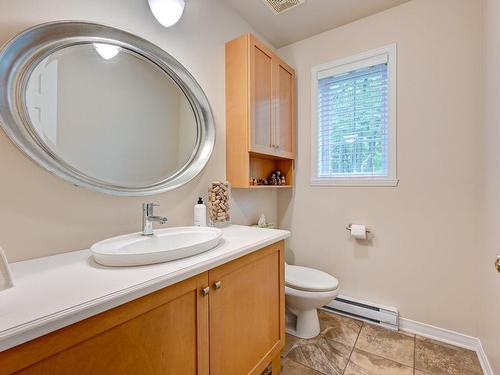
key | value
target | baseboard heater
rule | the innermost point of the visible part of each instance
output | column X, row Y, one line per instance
column 385, row 316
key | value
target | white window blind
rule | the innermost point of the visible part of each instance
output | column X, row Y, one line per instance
column 353, row 121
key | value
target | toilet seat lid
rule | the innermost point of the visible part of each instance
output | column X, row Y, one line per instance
column 309, row 280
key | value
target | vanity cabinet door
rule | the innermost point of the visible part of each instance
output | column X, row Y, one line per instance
column 261, row 98
column 285, row 109
column 165, row 332
column 247, row 328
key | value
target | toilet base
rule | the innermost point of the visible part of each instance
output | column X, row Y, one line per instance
column 303, row 324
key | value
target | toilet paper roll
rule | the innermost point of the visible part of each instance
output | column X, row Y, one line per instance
column 358, row 231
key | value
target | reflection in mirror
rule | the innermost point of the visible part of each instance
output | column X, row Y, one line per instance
column 107, row 51
column 111, row 115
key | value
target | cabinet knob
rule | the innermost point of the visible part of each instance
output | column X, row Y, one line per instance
column 205, row 291
column 497, row 264
column 218, row 284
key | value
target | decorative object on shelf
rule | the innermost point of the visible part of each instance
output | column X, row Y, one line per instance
column 262, row 223
column 273, row 179
column 265, row 226
column 6, row 279
column 261, row 181
column 262, row 220
column 276, row 179
column 219, row 194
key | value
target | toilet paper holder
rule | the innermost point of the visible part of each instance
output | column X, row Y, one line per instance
column 348, row 227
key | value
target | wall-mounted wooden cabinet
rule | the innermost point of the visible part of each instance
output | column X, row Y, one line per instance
column 260, row 112
column 229, row 320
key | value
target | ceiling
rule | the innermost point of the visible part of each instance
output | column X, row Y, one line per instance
column 308, row 19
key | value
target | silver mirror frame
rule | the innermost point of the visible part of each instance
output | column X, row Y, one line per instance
column 23, row 53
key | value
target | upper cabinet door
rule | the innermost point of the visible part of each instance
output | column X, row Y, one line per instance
column 284, row 119
column 261, row 98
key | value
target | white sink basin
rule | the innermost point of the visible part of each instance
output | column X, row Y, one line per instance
column 165, row 245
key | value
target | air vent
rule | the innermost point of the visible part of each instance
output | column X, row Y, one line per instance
column 280, row 6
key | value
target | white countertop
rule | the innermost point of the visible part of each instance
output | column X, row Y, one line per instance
column 53, row 292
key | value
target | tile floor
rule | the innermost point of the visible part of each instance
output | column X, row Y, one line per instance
column 350, row 347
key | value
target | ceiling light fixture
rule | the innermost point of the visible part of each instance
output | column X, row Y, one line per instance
column 106, row 51
column 167, row 12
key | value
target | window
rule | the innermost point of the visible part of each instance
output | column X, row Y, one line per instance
column 354, row 120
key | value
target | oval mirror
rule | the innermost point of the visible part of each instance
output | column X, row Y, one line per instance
column 104, row 109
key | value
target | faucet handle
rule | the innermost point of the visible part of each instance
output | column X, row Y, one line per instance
column 148, row 208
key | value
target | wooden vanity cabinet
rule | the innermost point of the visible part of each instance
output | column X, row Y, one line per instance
column 260, row 111
column 166, row 332
column 235, row 328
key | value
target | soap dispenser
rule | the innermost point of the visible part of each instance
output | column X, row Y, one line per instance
column 200, row 214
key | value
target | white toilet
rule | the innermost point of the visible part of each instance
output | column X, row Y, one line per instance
column 306, row 289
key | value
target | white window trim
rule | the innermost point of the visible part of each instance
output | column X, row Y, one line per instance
column 380, row 55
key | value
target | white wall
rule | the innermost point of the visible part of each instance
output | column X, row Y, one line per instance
column 424, row 256
column 489, row 283
column 40, row 214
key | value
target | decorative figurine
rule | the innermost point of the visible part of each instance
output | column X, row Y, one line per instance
column 278, row 177
column 274, row 180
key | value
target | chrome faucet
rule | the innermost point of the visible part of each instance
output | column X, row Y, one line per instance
column 148, row 218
